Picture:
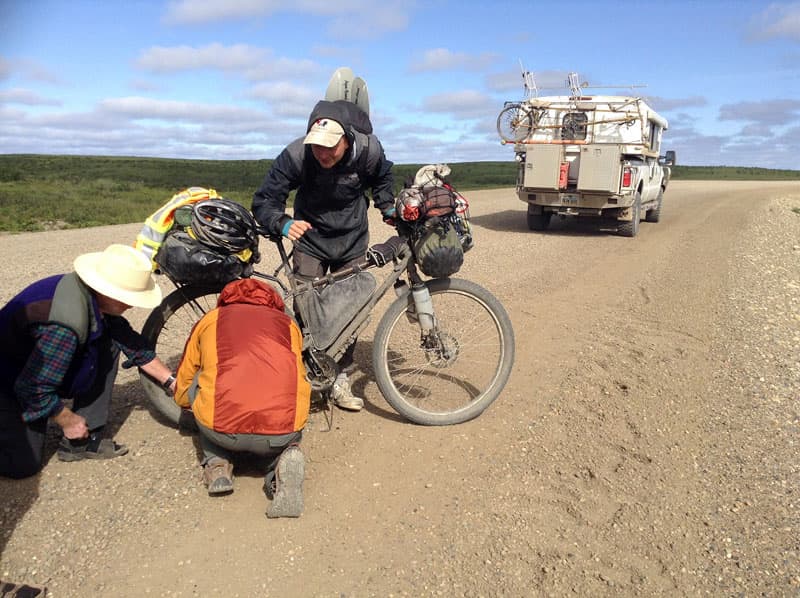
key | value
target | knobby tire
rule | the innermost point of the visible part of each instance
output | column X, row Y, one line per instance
column 167, row 328
column 479, row 339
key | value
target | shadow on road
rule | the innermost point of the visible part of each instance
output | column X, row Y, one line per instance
column 516, row 221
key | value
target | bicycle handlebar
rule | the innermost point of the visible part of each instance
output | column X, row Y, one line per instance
column 377, row 256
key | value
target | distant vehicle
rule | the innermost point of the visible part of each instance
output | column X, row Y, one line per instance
column 587, row 155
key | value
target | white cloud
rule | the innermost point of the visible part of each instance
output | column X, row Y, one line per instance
column 256, row 64
column 767, row 112
column 140, row 108
column 666, row 104
column 351, row 18
column 189, row 12
column 274, row 68
column 25, row 96
column 442, row 59
column 27, row 69
column 777, row 21
column 463, row 104
column 239, row 57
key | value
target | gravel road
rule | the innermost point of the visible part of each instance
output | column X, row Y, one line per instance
column 646, row 444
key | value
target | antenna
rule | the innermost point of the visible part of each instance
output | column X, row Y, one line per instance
column 574, row 85
column 531, row 91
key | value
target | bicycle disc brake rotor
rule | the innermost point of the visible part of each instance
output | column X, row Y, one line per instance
column 441, row 349
column 321, row 370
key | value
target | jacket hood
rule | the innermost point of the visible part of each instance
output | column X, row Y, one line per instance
column 251, row 291
column 351, row 117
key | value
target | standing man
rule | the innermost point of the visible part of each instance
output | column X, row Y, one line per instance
column 60, row 338
column 243, row 377
column 332, row 167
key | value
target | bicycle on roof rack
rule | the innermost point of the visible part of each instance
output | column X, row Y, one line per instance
column 441, row 354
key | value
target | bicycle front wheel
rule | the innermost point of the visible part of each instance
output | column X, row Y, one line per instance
column 167, row 329
column 454, row 376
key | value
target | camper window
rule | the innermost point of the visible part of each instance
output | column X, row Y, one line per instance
column 573, row 126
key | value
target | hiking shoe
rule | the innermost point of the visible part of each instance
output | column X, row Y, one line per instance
column 269, row 484
column 218, row 476
column 343, row 396
column 93, row 447
column 288, row 496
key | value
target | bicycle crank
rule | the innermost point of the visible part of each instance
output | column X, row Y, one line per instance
column 321, row 370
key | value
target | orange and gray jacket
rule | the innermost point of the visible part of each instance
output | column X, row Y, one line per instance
column 247, row 352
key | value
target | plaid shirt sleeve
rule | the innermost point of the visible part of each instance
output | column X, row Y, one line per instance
column 38, row 382
column 130, row 342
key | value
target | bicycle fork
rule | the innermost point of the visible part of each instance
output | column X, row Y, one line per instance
column 423, row 307
column 441, row 348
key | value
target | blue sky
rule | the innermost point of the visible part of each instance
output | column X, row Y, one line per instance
column 236, row 79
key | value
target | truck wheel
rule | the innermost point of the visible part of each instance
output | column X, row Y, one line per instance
column 539, row 221
column 631, row 228
column 654, row 215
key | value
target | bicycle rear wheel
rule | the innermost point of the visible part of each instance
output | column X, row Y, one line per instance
column 462, row 375
column 167, row 329
column 514, row 123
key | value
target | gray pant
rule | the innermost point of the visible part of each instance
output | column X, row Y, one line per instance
column 221, row 445
column 22, row 444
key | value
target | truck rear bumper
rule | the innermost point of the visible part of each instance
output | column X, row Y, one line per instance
column 572, row 202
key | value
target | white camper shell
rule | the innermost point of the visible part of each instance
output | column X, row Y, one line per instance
column 588, row 155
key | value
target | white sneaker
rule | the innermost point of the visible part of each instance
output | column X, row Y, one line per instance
column 343, row 396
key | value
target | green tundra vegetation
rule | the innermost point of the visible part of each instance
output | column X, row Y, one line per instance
column 42, row 192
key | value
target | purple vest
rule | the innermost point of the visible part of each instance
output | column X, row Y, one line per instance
column 61, row 299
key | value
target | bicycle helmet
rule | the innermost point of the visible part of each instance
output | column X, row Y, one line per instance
column 224, row 224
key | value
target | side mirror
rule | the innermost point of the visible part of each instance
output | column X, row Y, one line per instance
column 669, row 158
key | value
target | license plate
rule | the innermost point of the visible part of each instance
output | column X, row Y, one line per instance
column 569, row 200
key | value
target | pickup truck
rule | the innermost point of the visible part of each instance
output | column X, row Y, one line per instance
column 588, row 156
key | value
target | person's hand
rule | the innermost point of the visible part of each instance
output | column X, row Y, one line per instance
column 72, row 424
column 169, row 385
column 297, row 229
column 389, row 215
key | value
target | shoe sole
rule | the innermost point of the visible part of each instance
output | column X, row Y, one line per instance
column 89, row 455
column 288, row 499
column 216, row 490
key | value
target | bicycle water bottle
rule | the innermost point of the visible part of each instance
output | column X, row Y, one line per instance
column 424, row 306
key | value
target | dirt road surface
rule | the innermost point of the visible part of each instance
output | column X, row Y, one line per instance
column 646, row 444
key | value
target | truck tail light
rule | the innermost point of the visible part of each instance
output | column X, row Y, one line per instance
column 627, row 176
column 563, row 172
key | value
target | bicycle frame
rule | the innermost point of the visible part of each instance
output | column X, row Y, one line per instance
column 442, row 352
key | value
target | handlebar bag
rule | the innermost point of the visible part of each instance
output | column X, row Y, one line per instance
column 437, row 248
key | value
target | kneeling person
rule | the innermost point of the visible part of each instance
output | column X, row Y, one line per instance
column 243, row 377
column 60, row 341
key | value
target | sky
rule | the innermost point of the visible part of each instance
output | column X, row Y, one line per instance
column 237, row 79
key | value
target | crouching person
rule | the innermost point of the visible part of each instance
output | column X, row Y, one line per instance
column 60, row 339
column 243, row 377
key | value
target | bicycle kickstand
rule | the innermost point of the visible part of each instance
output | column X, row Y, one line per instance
column 328, row 411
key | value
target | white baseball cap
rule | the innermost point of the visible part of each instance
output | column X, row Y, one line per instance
column 324, row 132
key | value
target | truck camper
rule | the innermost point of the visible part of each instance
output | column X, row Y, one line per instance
column 587, row 155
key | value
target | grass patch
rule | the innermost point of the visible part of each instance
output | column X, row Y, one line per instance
column 42, row 192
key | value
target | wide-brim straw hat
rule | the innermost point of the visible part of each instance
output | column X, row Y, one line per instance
column 122, row 273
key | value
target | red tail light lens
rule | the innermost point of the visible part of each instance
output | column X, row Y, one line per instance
column 627, row 176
